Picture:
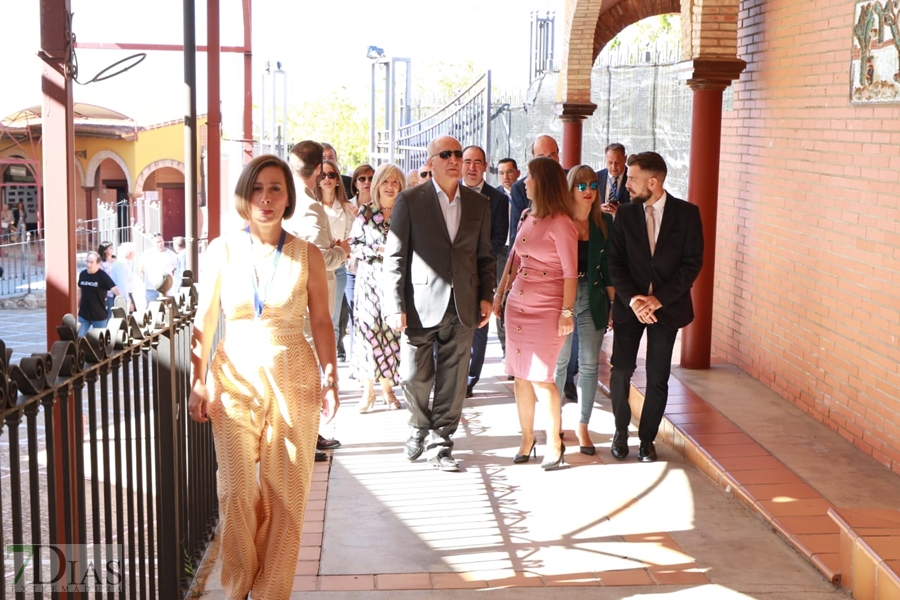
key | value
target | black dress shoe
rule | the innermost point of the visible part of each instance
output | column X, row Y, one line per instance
column 326, row 444
column 510, row 377
column 414, row 447
column 444, row 461
column 570, row 391
column 321, row 456
column 619, row 446
column 470, row 391
column 647, row 452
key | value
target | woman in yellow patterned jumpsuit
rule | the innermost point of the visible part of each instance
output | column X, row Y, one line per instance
column 263, row 392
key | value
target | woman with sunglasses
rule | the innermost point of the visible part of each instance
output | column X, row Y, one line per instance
column 362, row 185
column 340, row 217
column 594, row 290
column 376, row 346
column 543, row 269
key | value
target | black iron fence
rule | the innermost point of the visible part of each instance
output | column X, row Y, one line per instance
column 109, row 488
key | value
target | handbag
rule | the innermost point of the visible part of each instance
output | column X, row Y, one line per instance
column 507, row 272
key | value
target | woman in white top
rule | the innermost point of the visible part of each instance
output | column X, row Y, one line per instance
column 340, row 217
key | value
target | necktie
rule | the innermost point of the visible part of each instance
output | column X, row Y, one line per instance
column 651, row 228
column 612, row 188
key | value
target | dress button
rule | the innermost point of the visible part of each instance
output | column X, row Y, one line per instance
column 524, row 274
column 523, row 239
column 518, row 352
column 518, row 329
column 544, row 273
column 521, row 311
column 521, row 293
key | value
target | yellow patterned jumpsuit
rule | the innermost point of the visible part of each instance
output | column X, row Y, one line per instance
column 265, row 403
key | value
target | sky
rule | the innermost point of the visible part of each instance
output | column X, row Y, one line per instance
column 321, row 46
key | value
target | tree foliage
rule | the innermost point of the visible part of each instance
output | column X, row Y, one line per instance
column 336, row 119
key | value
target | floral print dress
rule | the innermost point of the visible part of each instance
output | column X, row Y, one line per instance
column 376, row 347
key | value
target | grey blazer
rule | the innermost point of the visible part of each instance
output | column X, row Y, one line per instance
column 422, row 266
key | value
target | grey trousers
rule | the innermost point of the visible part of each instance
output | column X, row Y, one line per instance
column 435, row 358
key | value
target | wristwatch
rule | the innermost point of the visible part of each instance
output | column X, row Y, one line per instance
column 567, row 313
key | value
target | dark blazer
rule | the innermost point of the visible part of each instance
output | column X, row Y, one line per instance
column 347, row 180
column 672, row 268
column 422, row 267
column 499, row 204
column 622, row 194
column 518, row 202
column 598, row 274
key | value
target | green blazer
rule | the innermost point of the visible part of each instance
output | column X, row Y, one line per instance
column 598, row 272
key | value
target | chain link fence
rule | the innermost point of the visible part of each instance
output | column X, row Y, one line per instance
column 642, row 102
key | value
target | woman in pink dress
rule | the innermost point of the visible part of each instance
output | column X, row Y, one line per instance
column 539, row 315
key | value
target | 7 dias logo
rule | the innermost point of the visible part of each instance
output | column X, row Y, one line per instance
column 49, row 568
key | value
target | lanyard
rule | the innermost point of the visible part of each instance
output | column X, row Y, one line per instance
column 259, row 303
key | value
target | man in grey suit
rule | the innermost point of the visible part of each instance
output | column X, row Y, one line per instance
column 438, row 287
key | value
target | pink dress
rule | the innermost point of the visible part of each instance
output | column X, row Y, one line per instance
column 546, row 253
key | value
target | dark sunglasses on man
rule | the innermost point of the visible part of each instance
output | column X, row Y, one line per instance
column 448, row 153
column 425, row 174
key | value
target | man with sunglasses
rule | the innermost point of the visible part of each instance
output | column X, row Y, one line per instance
column 439, row 280
column 474, row 167
column 424, row 173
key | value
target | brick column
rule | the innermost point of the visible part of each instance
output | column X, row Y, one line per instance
column 708, row 78
column 572, row 116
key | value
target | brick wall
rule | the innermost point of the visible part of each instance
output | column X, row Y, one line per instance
column 808, row 252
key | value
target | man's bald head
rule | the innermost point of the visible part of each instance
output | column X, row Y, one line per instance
column 545, row 145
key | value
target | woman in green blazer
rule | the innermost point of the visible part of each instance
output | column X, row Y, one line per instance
column 595, row 291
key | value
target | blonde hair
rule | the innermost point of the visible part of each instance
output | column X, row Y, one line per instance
column 382, row 174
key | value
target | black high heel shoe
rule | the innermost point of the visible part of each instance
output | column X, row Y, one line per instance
column 556, row 464
column 524, row 458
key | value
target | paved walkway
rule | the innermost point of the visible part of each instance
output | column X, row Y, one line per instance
column 381, row 527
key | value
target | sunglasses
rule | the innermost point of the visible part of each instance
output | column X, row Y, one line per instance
column 583, row 186
column 363, row 178
column 329, row 175
column 448, row 153
column 425, row 174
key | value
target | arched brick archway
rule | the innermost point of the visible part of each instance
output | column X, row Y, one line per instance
column 629, row 12
column 159, row 164
column 709, row 52
column 98, row 159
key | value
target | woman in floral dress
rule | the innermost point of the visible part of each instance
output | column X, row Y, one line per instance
column 376, row 347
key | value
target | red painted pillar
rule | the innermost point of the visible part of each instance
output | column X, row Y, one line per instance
column 703, row 190
column 213, row 130
column 58, row 147
column 573, row 134
column 572, row 115
column 708, row 78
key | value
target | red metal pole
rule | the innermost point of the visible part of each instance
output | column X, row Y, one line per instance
column 213, row 125
column 703, row 190
column 248, row 83
column 58, row 146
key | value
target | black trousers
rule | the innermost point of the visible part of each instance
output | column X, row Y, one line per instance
column 626, row 340
column 436, row 358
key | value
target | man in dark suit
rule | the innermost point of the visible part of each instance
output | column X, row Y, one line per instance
column 474, row 166
column 656, row 252
column 438, row 287
column 612, row 179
